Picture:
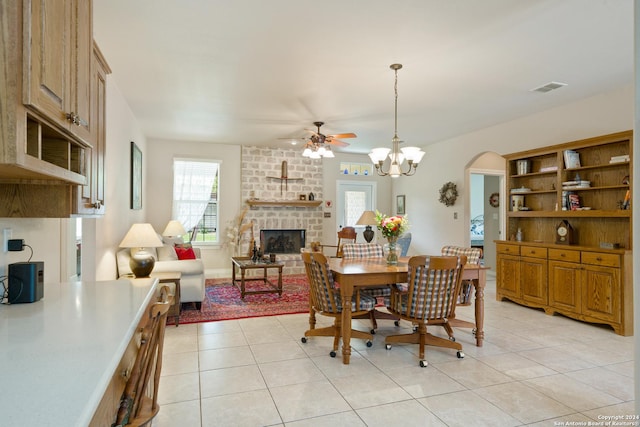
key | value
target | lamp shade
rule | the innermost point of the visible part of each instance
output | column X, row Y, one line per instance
column 141, row 236
column 174, row 229
column 367, row 218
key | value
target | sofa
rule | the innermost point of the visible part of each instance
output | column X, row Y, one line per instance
column 192, row 280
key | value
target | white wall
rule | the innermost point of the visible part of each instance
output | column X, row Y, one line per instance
column 160, row 154
column 122, row 129
column 432, row 223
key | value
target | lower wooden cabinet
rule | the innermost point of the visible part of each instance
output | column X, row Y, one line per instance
column 522, row 274
column 582, row 283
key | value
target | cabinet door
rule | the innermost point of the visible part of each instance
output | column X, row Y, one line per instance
column 89, row 198
column 57, row 62
column 508, row 276
column 601, row 293
column 81, row 69
column 99, row 96
column 533, row 280
column 565, row 291
column 47, row 57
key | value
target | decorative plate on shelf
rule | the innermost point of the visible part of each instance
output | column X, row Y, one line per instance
column 494, row 200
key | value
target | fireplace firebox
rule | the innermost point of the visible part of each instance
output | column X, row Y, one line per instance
column 282, row 241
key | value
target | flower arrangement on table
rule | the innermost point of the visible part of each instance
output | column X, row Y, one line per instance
column 391, row 228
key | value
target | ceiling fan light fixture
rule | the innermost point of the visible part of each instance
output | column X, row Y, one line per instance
column 413, row 155
column 307, row 152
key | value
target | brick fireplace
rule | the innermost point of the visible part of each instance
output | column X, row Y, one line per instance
column 259, row 166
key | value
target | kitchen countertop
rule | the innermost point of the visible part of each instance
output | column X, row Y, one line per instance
column 57, row 355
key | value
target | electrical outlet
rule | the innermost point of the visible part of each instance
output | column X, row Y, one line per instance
column 455, row 215
column 6, row 235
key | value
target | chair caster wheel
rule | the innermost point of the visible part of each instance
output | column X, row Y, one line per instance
column 460, row 355
column 424, row 363
column 332, row 354
column 373, row 332
column 452, row 339
column 304, row 340
column 473, row 332
column 369, row 343
column 415, row 328
column 387, row 346
column 397, row 323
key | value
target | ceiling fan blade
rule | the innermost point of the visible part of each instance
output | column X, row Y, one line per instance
column 337, row 142
column 342, row 135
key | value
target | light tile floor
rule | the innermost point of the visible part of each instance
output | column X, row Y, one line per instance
column 534, row 369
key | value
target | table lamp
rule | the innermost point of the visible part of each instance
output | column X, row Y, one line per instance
column 141, row 236
column 174, row 229
column 367, row 218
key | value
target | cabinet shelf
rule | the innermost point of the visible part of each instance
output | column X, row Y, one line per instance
column 602, row 166
column 605, row 187
column 294, row 203
column 525, row 175
column 593, row 213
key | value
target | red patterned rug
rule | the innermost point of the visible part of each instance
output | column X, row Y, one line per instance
column 222, row 301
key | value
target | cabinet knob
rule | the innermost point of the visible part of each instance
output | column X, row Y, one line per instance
column 562, row 255
column 76, row 119
column 598, row 258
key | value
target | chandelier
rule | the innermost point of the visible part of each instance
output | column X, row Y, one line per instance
column 397, row 155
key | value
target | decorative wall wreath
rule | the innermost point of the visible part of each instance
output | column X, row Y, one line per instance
column 448, row 194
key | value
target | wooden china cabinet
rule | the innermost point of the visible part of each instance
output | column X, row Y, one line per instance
column 588, row 277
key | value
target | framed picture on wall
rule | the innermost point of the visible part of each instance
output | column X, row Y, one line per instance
column 400, row 208
column 136, row 177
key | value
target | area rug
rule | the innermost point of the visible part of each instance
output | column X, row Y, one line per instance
column 222, row 300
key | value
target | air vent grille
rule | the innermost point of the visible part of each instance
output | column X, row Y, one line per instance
column 548, row 87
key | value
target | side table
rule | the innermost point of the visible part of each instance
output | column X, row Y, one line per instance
column 171, row 277
column 244, row 264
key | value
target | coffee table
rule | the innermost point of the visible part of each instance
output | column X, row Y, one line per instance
column 244, row 264
column 171, row 277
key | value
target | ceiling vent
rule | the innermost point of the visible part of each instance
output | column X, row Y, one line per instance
column 548, row 87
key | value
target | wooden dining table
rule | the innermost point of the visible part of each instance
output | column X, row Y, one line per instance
column 366, row 272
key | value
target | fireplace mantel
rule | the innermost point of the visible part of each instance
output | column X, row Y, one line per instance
column 298, row 203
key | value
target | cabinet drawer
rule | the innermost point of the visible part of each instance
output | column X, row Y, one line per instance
column 533, row 252
column 600, row 258
column 502, row 248
column 564, row 255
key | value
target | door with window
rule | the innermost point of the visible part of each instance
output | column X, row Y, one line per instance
column 354, row 197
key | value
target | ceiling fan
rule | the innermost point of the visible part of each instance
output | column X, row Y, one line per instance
column 319, row 138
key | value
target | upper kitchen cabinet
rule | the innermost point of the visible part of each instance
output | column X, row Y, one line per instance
column 52, row 98
column 57, row 54
column 39, row 42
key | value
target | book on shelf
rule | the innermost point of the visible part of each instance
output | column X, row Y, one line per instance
column 620, row 159
column 549, row 169
column 571, row 159
column 574, row 202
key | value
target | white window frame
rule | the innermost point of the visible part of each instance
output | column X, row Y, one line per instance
column 185, row 220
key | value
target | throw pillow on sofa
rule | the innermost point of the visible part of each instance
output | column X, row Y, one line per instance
column 185, row 253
